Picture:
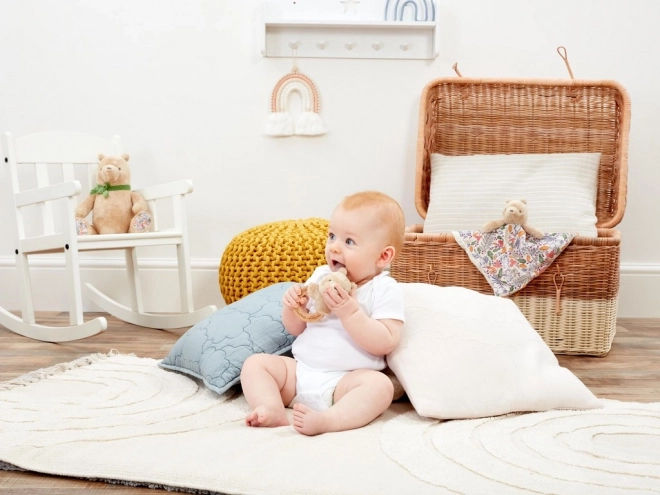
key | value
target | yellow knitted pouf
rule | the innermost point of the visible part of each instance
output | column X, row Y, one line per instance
column 286, row 251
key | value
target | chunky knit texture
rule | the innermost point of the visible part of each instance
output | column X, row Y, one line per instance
column 285, row 251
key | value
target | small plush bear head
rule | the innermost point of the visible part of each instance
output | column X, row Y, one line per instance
column 315, row 292
column 113, row 170
column 335, row 279
column 515, row 211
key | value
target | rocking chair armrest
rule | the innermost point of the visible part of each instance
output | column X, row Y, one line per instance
column 167, row 190
column 47, row 193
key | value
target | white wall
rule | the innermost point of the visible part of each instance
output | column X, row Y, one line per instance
column 185, row 86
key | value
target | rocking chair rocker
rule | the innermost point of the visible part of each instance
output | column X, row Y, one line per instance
column 36, row 155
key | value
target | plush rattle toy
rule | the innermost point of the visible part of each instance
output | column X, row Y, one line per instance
column 115, row 208
column 515, row 212
column 315, row 291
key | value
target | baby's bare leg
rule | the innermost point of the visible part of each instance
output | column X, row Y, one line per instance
column 268, row 382
column 360, row 397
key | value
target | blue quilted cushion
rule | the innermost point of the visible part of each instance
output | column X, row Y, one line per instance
column 215, row 349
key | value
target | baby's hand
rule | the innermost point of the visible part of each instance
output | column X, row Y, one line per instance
column 341, row 302
column 292, row 298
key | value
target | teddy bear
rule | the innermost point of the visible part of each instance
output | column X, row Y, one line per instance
column 115, row 208
column 315, row 291
column 515, row 212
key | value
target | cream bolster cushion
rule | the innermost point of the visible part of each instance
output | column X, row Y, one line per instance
column 468, row 355
column 560, row 189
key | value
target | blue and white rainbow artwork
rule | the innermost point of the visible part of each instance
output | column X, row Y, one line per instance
column 422, row 10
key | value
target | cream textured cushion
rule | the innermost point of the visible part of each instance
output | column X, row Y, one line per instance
column 560, row 189
column 468, row 355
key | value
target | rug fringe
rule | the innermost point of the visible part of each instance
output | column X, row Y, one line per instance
column 40, row 374
column 5, row 466
column 157, row 486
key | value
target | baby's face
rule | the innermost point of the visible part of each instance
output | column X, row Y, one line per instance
column 355, row 241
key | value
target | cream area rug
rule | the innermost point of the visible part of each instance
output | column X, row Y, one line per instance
column 123, row 419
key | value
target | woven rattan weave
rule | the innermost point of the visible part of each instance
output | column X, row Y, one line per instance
column 285, row 251
column 573, row 304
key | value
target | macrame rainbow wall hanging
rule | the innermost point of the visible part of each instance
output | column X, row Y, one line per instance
column 280, row 122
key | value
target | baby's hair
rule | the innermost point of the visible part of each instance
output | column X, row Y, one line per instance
column 388, row 211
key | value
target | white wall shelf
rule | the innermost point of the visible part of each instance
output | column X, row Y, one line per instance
column 325, row 29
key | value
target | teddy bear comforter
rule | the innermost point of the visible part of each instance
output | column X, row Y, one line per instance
column 508, row 257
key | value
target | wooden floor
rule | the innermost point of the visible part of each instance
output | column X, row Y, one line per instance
column 630, row 372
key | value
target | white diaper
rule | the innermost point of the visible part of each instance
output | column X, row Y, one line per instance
column 315, row 388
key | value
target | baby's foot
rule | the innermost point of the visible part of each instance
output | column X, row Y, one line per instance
column 267, row 416
column 310, row 422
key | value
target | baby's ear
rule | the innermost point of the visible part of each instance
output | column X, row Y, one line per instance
column 387, row 255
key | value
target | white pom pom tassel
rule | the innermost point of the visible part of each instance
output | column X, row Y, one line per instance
column 310, row 124
column 279, row 124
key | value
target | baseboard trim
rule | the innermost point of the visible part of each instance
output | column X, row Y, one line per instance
column 640, row 269
column 110, row 263
column 638, row 292
column 109, row 276
column 640, row 284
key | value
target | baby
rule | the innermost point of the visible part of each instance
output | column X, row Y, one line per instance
column 334, row 382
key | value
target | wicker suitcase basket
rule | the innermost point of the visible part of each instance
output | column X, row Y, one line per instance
column 573, row 304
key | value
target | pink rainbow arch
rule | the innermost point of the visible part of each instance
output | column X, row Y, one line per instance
column 295, row 81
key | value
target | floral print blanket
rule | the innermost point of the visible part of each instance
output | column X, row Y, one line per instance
column 508, row 257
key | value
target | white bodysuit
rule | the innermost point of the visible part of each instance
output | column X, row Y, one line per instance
column 326, row 352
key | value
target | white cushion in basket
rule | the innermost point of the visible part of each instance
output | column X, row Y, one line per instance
column 468, row 355
column 560, row 189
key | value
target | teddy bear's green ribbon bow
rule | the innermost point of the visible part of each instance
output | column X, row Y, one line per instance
column 106, row 188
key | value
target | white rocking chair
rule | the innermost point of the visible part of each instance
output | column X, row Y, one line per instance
column 36, row 154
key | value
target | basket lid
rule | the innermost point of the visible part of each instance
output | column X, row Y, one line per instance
column 465, row 116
